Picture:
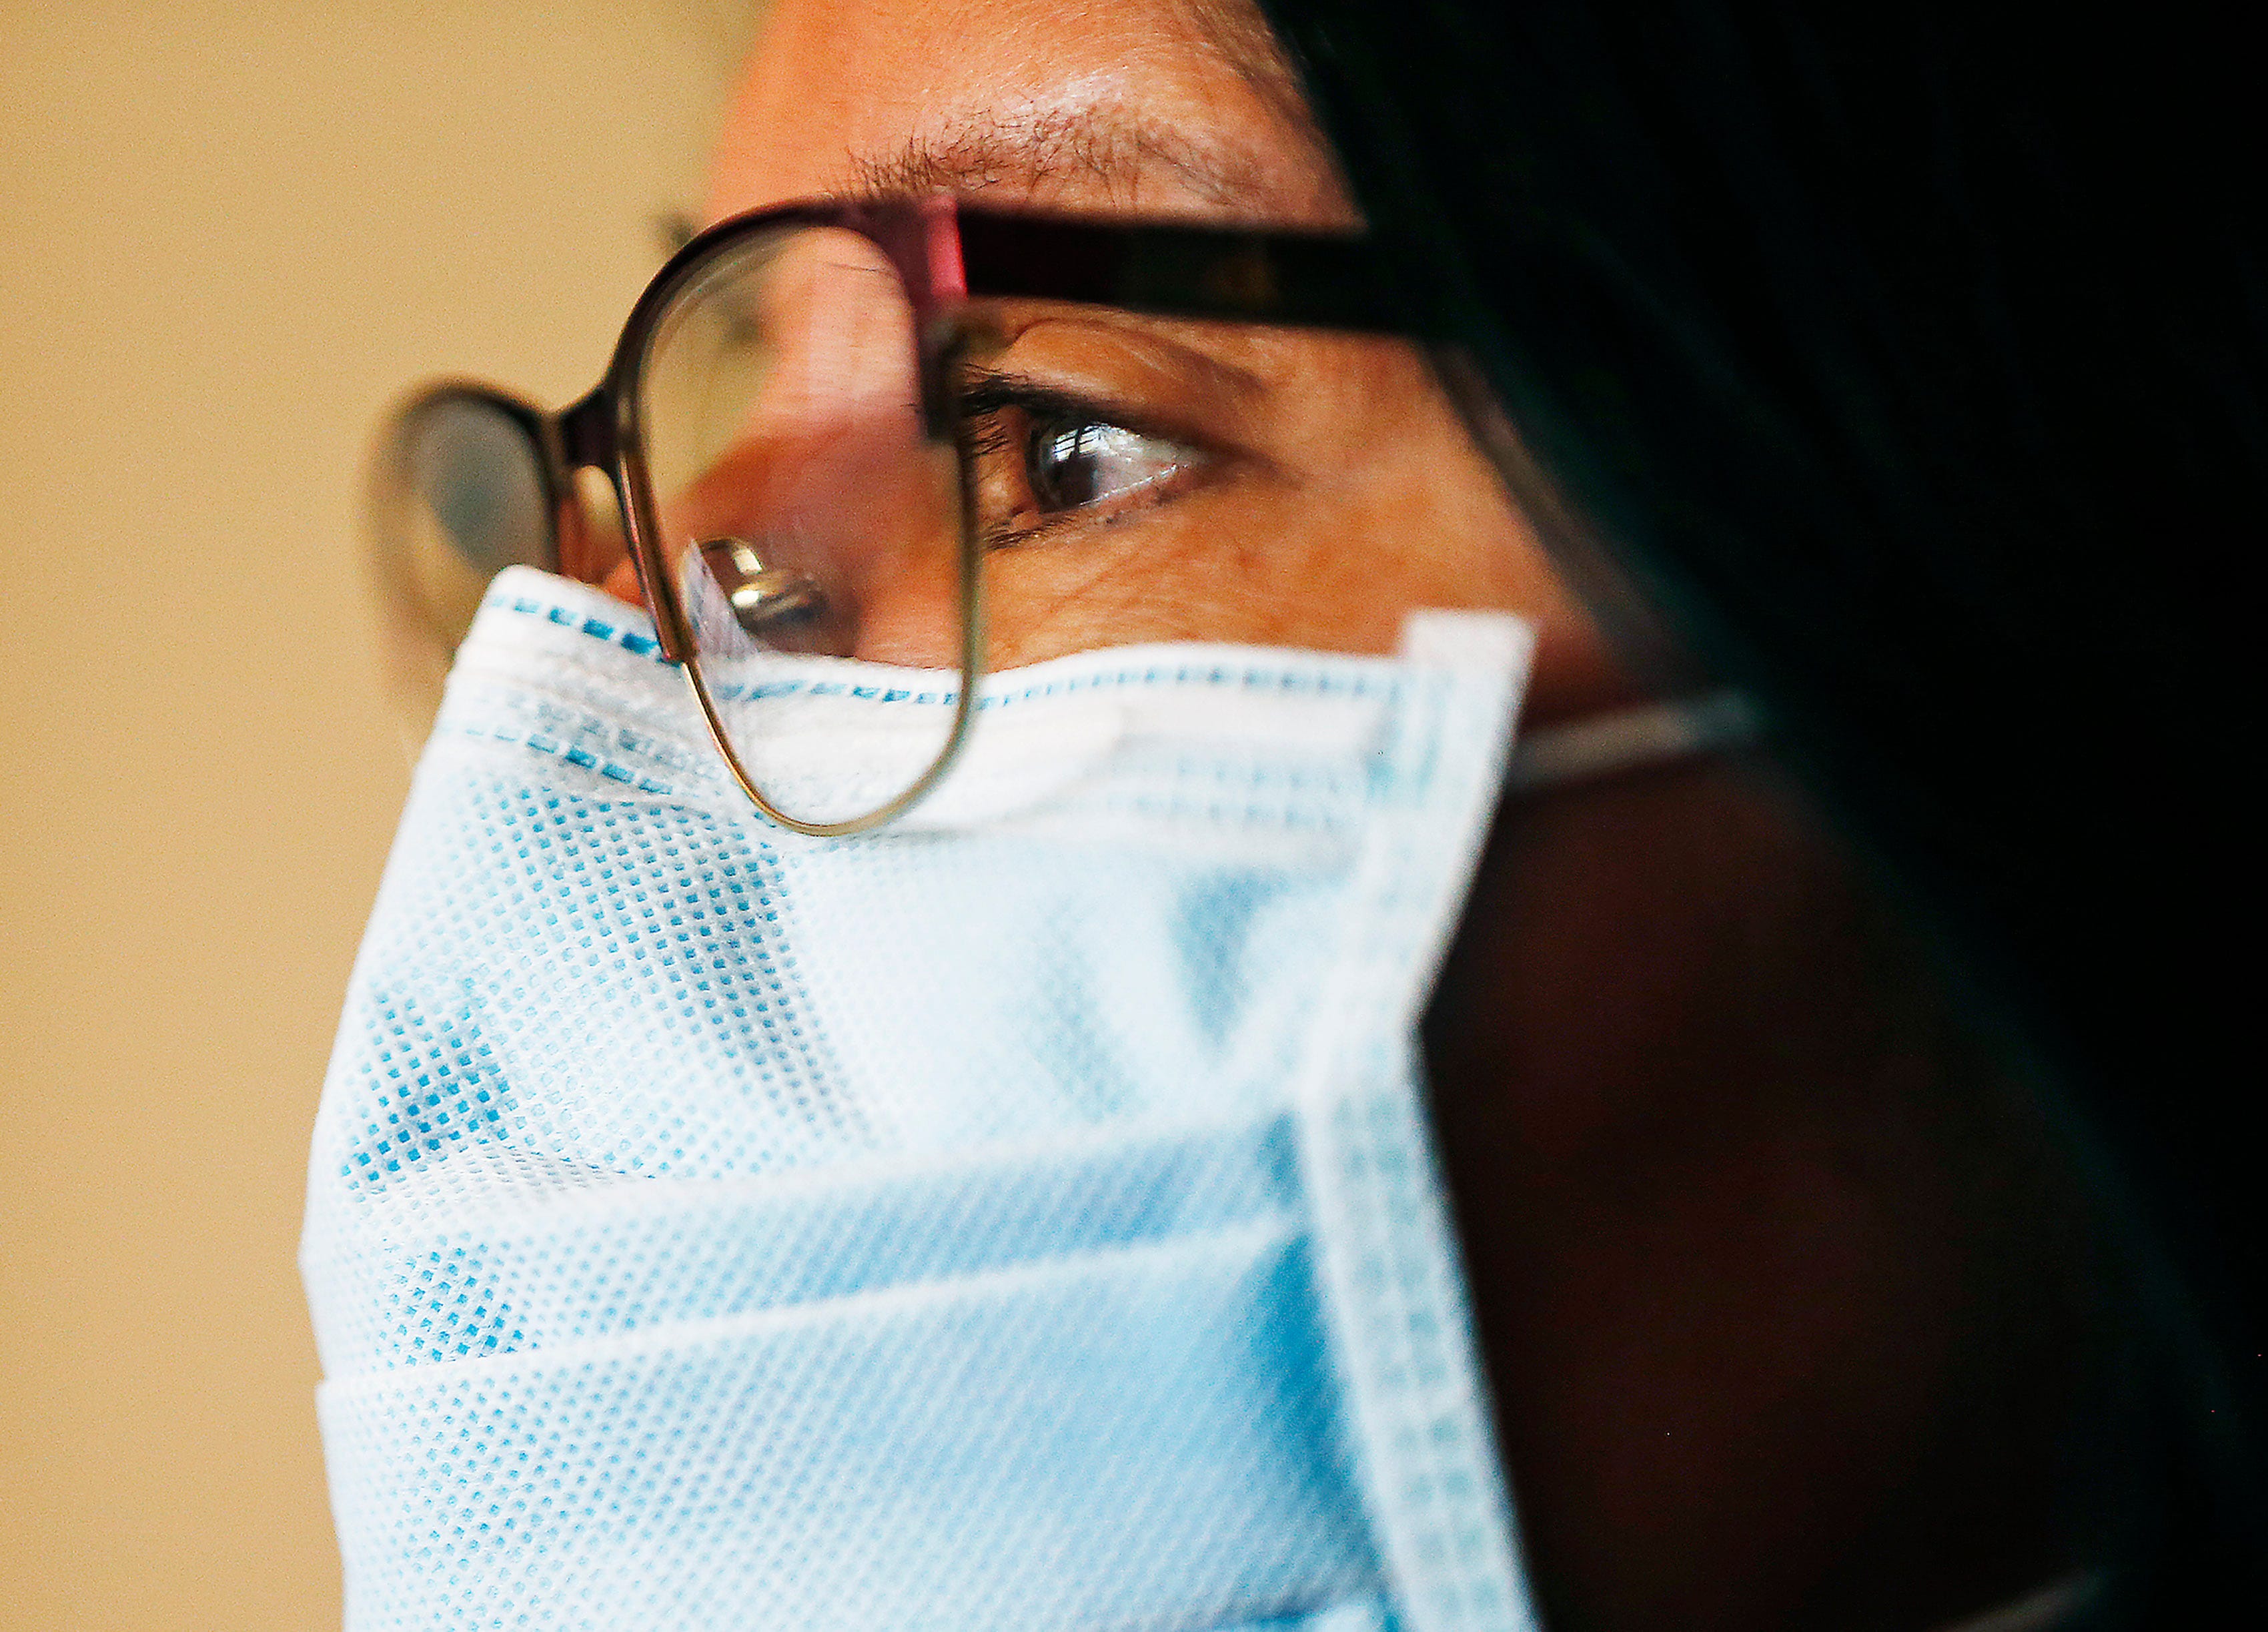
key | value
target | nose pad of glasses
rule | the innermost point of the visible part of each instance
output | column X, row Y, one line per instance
column 763, row 599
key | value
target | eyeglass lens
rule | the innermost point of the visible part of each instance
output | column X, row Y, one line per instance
column 467, row 497
column 804, row 513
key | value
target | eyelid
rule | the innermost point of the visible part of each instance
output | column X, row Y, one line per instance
column 987, row 391
column 1148, row 340
column 1095, row 358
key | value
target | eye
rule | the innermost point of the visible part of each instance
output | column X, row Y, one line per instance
column 1078, row 464
column 1045, row 460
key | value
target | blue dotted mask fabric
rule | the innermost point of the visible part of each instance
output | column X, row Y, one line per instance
column 1023, row 1217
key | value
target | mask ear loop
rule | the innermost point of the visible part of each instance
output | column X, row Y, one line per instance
column 1632, row 739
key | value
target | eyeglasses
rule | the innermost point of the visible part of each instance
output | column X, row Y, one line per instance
column 861, row 452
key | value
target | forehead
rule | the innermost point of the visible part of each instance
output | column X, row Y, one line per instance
column 1125, row 106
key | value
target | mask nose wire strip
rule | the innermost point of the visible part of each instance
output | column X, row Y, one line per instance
column 1631, row 739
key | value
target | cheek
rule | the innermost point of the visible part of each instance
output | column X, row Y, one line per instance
column 1370, row 507
column 1176, row 573
column 1267, row 558
column 1435, row 527
column 1371, row 503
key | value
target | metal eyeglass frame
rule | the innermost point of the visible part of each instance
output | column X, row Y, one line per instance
column 947, row 253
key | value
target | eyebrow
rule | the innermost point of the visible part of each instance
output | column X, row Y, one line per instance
column 1102, row 146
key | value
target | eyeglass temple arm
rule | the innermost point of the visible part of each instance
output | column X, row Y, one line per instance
column 1319, row 279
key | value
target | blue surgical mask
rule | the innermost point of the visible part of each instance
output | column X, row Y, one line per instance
column 1023, row 1217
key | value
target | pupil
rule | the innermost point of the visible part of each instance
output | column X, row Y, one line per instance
column 1067, row 465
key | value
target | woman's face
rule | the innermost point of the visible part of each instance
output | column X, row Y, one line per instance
column 1147, row 479
column 1710, row 1175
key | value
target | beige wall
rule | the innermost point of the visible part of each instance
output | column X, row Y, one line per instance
column 228, row 234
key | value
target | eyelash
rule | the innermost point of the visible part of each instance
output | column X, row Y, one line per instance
column 988, row 398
